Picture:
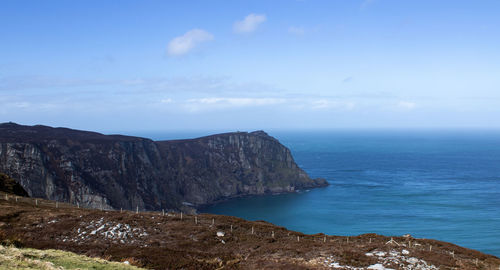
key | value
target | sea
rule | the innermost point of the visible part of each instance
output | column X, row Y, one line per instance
column 443, row 185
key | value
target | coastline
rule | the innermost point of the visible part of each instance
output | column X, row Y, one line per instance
column 201, row 207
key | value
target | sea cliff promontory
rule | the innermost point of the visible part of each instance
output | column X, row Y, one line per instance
column 114, row 171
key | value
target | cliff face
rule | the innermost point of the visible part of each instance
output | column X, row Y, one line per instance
column 114, row 171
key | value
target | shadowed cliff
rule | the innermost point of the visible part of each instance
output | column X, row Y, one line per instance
column 10, row 186
column 114, row 171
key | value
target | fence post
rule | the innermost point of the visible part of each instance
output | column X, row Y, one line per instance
column 181, row 215
column 324, row 239
column 213, row 221
column 272, row 234
column 252, row 229
column 231, row 227
column 298, row 238
column 137, row 209
column 162, row 212
column 6, row 197
column 16, row 198
column 195, row 219
column 36, row 201
column 77, row 205
column 57, row 204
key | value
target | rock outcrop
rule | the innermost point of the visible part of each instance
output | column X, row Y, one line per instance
column 114, row 171
column 10, row 186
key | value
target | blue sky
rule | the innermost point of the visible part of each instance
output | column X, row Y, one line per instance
column 244, row 65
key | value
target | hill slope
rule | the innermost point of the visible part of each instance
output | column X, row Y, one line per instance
column 171, row 241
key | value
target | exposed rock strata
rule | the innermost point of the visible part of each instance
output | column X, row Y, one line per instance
column 113, row 171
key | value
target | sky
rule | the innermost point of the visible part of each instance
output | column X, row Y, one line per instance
column 246, row 65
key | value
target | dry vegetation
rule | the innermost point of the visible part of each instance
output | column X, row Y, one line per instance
column 157, row 241
column 27, row 258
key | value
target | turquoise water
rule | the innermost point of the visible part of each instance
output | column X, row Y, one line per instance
column 441, row 185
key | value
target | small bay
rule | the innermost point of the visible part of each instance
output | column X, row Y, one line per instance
column 443, row 185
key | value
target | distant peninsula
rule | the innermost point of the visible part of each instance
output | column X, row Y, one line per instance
column 114, row 171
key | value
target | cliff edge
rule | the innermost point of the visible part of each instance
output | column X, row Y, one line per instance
column 114, row 171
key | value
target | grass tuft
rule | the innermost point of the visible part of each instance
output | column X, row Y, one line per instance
column 27, row 258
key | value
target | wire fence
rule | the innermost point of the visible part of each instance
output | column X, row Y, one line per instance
column 255, row 230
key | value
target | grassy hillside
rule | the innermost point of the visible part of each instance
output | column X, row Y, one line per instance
column 27, row 258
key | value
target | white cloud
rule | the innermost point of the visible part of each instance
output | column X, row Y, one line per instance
column 224, row 103
column 185, row 43
column 406, row 105
column 198, row 104
column 296, row 30
column 249, row 24
column 22, row 105
column 239, row 101
column 167, row 100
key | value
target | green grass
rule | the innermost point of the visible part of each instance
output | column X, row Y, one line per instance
column 27, row 258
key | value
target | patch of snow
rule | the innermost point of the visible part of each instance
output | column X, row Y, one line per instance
column 335, row 265
column 98, row 229
column 110, row 231
column 378, row 266
column 412, row 260
column 394, row 253
column 384, row 259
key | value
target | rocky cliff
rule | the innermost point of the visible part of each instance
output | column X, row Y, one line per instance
column 113, row 171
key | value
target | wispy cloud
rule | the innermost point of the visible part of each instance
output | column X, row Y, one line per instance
column 31, row 82
column 406, row 105
column 183, row 44
column 296, row 30
column 321, row 104
column 347, row 79
column 249, row 23
column 198, row 104
column 366, row 3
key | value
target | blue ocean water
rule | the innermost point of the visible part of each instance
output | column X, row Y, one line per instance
column 441, row 185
